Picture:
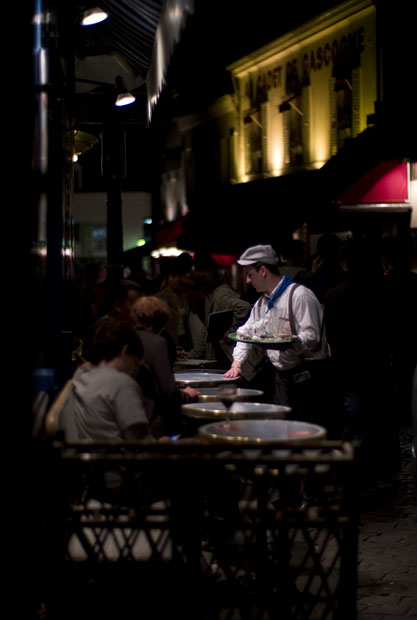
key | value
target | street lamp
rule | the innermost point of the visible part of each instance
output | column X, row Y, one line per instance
column 93, row 16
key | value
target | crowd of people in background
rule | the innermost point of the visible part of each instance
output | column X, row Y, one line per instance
column 369, row 304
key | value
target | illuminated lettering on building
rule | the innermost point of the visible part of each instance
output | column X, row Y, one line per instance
column 303, row 95
column 344, row 52
column 269, row 79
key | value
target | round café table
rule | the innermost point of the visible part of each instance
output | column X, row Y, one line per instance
column 261, row 431
column 202, row 379
column 184, row 365
column 211, row 394
column 239, row 410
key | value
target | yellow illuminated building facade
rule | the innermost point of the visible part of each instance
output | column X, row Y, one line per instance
column 322, row 96
column 299, row 98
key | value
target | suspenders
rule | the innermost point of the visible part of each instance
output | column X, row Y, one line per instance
column 290, row 310
column 291, row 318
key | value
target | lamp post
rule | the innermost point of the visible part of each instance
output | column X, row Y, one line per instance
column 113, row 155
column 114, row 171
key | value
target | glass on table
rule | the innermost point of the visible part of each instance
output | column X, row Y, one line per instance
column 228, row 396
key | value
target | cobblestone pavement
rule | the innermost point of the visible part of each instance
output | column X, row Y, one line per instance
column 387, row 569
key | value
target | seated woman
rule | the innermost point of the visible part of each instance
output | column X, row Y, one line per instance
column 161, row 397
column 106, row 402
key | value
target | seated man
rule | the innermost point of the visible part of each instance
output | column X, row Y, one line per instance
column 219, row 298
column 120, row 297
column 106, row 402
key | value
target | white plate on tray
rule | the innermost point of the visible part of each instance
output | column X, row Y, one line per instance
column 269, row 343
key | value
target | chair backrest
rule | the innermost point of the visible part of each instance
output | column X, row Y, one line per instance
column 39, row 411
column 77, row 349
column 52, row 420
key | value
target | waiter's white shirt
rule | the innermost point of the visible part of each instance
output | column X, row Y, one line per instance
column 308, row 321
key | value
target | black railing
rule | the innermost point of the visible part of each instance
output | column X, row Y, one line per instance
column 203, row 531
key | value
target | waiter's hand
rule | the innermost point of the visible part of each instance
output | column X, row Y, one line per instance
column 234, row 371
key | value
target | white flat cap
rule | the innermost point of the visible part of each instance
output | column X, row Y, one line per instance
column 259, row 254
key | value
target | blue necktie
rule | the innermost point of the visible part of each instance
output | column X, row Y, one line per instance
column 285, row 283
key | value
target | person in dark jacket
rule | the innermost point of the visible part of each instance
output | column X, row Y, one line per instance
column 161, row 396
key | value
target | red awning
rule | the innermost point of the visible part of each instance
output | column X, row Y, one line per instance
column 225, row 260
column 170, row 233
column 387, row 182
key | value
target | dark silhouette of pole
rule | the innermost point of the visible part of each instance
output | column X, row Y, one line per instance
column 114, row 170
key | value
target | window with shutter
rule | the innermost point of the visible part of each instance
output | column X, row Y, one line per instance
column 286, row 136
column 265, row 136
column 247, row 145
column 293, row 129
column 306, row 123
column 343, row 92
column 356, row 101
column 333, row 117
column 253, row 142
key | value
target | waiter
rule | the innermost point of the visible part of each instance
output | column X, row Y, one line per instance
column 286, row 307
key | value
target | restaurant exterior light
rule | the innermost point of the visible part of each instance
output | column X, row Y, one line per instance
column 93, row 16
column 124, row 99
column 166, row 251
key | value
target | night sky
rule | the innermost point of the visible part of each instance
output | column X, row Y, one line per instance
column 222, row 31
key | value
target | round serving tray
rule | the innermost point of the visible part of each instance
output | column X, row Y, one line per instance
column 268, row 343
column 239, row 410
